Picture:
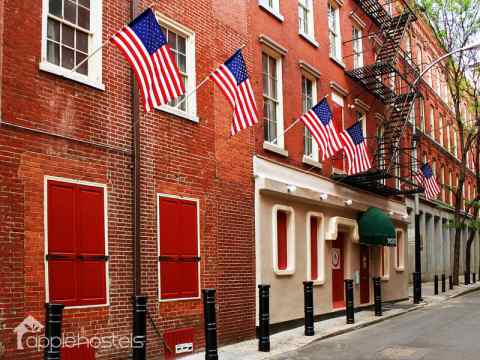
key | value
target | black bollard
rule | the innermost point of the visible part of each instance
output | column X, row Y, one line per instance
column 350, row 301
column 264, row 321
column 443, row 283
column 140, row 327
column 474, row 278
column 467, row 277
column 210, row 319
column 308, row 305
column 417, row 287
column 450, row 282
column 435, row 284
column 53, row 331
column 377, row 294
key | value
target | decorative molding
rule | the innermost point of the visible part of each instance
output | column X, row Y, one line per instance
column 275, row 149
column 357, row 20
column 272, row 44
column 332, row 228
column 310, row 69
column 362, row 105
column 338, row 88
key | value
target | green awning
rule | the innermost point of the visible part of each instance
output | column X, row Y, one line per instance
column 376, row 228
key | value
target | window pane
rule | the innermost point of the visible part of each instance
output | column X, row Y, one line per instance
column 83, row 18
column 68, row 36
column 83, row 69
column 55, row 7
column 182, row 48
column 53, row 53
column 85, row 3
column 172, row 40
column 53, row 30
column 182, row 63
column 82, row 41
column 67, row 57
column 70, row 11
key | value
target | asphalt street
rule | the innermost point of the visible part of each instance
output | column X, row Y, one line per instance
column 449, row 331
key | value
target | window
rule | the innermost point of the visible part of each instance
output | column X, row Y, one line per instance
column 182, row 44
column 357, row 45
column 315, row 248
column 384, row 262
column 72, row 29
column 76, row 242
column 450, row 184
column 428, row 75
column 362, row 119
column 283, row 228
column 305, row 18
column 272, row 6
column 381, row 159
column 272, row 104
column 421, row 105
column 337, row 118
column 400, row 251
column 412, row 115
column 442, row 183
column 309, row 95
column 440, row 128
column 398, row 170
column 419, row 57
column 448, row 130
column 431, row 129
column 178, row 244
column 334, row 32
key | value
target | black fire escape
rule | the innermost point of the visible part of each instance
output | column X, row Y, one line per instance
column 390, row 80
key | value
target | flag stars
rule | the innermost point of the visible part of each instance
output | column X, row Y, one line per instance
column 148, row 30
column 236, row 65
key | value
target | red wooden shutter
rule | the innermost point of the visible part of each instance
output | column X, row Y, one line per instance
column 314, row 248
column 337, row 114
column 91, row 246
column 62, row 269
column 282, row 240
column 178, row 249
column 76, row 244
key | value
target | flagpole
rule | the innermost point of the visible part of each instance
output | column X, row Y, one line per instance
column 200, row 84
column 293, row 124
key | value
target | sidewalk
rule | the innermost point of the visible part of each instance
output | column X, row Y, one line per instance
column 293, row 339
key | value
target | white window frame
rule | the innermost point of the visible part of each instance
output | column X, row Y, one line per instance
column 315, row 150
column 189, row 35
column 357, row 46
column 290, row 270
column 321, row 263
column 280, row 139
column 159, row 279
column 94, row 78
column 272, row 7
column 337, row 55
column 440, row 129
column 48, row 178
column 432, row 122
column 421, row 107
column 450, row 184
column 401, row 263
column 386, row 263
column 310, row 34
column 340, row 101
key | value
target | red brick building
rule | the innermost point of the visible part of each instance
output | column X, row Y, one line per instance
column 66, row 170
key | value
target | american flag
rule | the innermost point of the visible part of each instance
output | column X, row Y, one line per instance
column 426, row 179
column 318, row 121
column 355, row 148
column 146, row 49
column 232, row 78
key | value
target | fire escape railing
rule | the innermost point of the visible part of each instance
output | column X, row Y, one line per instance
column 391, row 172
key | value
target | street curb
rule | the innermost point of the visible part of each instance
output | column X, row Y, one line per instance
column 467, row 291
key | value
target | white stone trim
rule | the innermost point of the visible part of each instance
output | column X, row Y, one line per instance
column 332, row 228
column 290, row 270
column 321, row 262
column 401, row 268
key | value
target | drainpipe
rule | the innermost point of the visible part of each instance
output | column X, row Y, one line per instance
column 139, row 326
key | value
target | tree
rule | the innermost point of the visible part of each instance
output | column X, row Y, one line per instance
column 456, row 23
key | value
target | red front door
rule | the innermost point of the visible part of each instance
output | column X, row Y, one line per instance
column 364, row 274
column 338, row 287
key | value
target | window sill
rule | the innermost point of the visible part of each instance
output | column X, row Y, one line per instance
column 385, row 278
column 275, row 149
column 309, row 39
column 338, row 62
column 286, row 272
column 67, row 74
column 318, row 282
column 336, row 171
column 312, row 162
column 179, row 113
column 272, row 12
column 400, row 270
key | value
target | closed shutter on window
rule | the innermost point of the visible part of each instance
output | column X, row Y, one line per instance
column 314, row 248
column 337, row 114
column 76, row 244
column 178, row 249
column 282, row 240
